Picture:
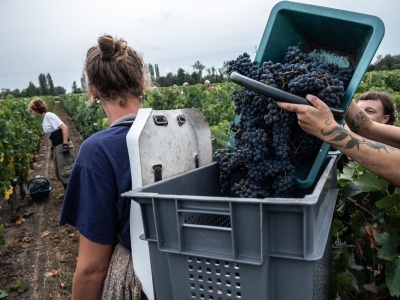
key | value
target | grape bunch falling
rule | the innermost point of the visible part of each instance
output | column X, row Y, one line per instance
column 268, row 142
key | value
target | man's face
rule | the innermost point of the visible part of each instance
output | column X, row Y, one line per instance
column 374, row 110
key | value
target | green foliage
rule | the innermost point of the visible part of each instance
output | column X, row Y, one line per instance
column 380, row 81
column 20, row 133
column 43, row 85
column 21, row 285
column 75, row 89
column 365, row 226
column 3, row 294
column 215, row 104
column 221, row 135
column 87, row 117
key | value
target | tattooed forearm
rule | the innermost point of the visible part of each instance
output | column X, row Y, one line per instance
column 341, row 134
column 359, row 119
column 339, row 130
column 378, row 146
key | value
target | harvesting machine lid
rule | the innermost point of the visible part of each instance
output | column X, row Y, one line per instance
column 161, row 144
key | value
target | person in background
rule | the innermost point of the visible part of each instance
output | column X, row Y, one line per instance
column 379, row 106
column 62, row 146
column 208, row 85
column 176, row 90
column 117, row 80
column 373, row 145
column 186, row 84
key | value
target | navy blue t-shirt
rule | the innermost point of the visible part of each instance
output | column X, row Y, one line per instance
column 93, row 202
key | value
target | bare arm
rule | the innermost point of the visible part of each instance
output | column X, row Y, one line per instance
column 317, row 120
column 91, row 269
column 64, row 129
column 360, row 123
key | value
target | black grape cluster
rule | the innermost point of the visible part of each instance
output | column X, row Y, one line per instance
column 268, row 142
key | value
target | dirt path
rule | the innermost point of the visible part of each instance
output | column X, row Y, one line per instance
column 38, row 253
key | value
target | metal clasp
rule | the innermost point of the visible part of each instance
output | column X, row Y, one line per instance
column 160, row 120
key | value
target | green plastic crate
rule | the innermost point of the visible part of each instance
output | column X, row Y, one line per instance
column 343, row 35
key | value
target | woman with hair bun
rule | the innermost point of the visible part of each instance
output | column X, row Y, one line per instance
column 117, row 80
column 62, row 148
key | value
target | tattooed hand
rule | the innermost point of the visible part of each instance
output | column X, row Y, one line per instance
column 313, row 119
column 377, row 157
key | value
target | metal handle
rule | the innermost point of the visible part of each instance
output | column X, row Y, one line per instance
column 274, row 93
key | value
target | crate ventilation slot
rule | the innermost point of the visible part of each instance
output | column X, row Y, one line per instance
column 207, row 219
column 211, row 279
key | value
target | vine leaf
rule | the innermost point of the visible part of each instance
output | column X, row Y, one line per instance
column 350, row 190
column 3, row 294
column 347, row 172
column 21, row 285
column 338, row 228
column 393, row 277
column 387, row 202
column 388, row 243
column 387, row 251
column 369, row 182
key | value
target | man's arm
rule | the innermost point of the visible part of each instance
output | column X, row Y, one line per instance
column 359, row 122
column 381, row 159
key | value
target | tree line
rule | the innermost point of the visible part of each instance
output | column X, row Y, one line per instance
column 46, row 88
column 385, row 63
column 199, row 75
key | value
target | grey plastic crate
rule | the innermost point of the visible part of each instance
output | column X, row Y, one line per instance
column 206, row 246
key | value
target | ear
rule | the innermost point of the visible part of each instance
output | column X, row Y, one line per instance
column 92, row 91
column 385, row 119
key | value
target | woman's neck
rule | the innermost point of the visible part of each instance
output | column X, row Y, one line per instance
column 114, row 111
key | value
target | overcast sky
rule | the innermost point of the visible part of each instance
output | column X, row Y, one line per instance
column 52, row 36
